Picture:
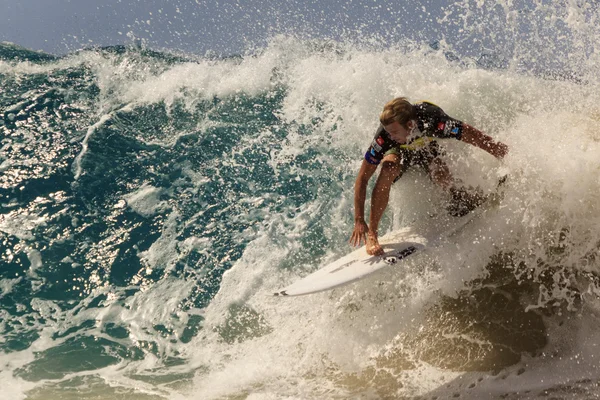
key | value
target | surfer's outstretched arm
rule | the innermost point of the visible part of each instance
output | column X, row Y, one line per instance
column 479, row 139
column 360, row 193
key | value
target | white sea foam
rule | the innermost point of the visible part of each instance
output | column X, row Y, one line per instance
column 318, row 346
column 77, row 169
column 20, row 223
column 146, row 200
column 550, row 127
column 7, row 285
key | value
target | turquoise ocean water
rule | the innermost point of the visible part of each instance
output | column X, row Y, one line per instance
column 151, row 201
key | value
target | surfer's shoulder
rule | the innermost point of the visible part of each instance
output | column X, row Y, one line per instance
column 424, row 104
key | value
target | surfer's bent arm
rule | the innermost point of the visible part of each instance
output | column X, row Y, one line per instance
column 479, row 139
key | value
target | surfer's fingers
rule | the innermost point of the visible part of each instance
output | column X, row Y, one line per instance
column 357, row 238
column 353, row 239
column 362, row 238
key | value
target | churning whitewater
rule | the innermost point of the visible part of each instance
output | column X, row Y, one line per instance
column 151, row 203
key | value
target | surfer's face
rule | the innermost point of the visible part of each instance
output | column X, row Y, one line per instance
column 399, row 133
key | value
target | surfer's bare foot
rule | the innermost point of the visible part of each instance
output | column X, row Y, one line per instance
column 373, row 247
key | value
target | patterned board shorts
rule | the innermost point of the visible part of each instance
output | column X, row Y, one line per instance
column 421, row 156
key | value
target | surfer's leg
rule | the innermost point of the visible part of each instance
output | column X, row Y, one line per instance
column 462, row 200
column 390, row 170
column 440, row 174
column 430, row 159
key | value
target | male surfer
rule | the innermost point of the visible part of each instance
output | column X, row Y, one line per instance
column 407, row 136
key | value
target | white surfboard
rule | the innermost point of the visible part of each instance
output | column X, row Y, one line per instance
column 397, row 245
column 358, row 264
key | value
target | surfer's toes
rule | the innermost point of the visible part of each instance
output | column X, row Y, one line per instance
column 373, row 247
column 375, row 252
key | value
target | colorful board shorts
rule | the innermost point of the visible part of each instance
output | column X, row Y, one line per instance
column 421, row 157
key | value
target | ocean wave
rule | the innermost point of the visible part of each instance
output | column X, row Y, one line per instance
column 151, row 201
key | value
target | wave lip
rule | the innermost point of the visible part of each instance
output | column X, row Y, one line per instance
column 12, row 52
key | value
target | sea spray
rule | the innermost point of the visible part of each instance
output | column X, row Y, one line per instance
column 150, row 203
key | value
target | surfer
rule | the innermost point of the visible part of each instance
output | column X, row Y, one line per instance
column 407, row 137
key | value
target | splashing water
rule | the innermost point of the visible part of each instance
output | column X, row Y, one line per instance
column 150, row 203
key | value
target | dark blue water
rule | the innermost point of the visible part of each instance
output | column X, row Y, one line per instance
column 71, row 158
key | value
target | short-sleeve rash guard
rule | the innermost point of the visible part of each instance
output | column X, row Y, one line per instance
column 432, row 121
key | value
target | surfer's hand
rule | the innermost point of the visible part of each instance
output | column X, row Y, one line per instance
column 359, row 234
column 373, row 247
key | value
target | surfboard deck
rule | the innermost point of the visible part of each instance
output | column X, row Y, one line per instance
column 358, row 264
column 397, row 246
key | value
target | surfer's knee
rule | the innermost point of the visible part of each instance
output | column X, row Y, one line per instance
column 391, row 169
column 440, row 174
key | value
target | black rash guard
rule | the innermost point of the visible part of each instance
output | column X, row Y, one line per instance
column 432, row 122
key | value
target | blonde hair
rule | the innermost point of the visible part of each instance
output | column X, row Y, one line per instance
column 398, row 110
